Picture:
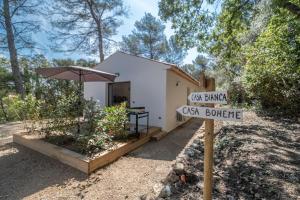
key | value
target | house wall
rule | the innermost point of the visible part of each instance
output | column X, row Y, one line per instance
column 176, row 96
column 148, row 84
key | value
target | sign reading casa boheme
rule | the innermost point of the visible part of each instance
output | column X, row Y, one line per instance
column 210, row 113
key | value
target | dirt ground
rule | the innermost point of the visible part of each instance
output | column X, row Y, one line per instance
column 258, row 159
column 10, row 128
column 25, row 174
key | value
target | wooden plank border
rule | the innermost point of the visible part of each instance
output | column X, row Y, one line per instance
column 65, row 156
column 77, row 160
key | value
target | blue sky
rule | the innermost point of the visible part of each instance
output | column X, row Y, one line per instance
column 137, row 9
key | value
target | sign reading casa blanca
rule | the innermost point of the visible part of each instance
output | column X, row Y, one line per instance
column 208, row 97
column 212, row 113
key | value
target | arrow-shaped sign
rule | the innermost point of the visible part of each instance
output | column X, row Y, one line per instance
column 212, row 113
column 209, row 97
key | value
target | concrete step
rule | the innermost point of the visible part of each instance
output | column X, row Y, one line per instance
column 159, row 135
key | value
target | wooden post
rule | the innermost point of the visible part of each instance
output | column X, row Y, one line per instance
column 209, row 148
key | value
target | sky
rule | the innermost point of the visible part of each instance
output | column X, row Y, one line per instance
column 137, row 9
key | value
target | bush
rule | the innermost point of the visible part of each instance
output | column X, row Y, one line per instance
column 272, row 73
column 237, row 95
column 92, row 114
column 93, row 143
column 62, row 115
column 19, row 109
column 114, row 121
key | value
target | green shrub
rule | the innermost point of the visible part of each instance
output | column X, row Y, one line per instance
column 16, row 108
column 114, row 121
column 93, row 143
column 92, row 114
column 272, row 72
column 62, row 115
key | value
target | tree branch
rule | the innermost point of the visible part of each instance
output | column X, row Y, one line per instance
column 293, row 8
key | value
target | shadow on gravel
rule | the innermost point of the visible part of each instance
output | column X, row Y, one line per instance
column 251, row 162
column 257, row 162
column 170, row 146
column 24, row 172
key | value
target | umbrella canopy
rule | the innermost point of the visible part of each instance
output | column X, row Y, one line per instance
column 81, row 74
column 76, row 73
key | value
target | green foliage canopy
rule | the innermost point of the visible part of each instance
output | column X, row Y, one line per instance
column 148, row 40
column 272, row 71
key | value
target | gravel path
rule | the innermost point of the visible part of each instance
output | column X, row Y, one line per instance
column 25, row 174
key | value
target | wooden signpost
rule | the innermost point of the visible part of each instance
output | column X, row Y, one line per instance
column 210, row 114
column 209, row 97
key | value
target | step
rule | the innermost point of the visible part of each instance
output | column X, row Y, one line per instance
column 158, row 136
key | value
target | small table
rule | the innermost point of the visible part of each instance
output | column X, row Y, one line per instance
column 138, row 115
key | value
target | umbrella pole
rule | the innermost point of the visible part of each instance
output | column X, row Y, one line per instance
column 79, row 102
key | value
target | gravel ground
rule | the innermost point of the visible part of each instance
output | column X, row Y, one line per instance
column 254, row 160
column 9, row 128
column 25, row 174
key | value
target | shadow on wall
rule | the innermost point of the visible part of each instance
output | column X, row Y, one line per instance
column 24, row 172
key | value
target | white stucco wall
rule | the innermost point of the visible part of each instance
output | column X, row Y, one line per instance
column 148, row 84
column 176, row 97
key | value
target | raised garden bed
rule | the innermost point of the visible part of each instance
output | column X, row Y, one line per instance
column 82, row 162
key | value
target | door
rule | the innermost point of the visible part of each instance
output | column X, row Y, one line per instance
column 119, row 92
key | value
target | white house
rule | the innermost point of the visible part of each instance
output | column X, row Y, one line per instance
column 159, row 87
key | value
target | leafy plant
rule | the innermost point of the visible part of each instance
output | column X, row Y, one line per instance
column 92, row 114
column 114, row 121
column 89, row 144
column 22, row 109
column 62, row 115
column 272, row 74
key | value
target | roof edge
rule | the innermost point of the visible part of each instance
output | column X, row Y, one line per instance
column 174, row 67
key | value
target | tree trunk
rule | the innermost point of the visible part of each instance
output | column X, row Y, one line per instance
column 100, row 45
column 37, row 87
column 12, row 50
column 99, row 29
column 3, row 109
column 292, row 8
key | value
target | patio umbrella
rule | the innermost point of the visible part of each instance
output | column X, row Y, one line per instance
column 77, row 73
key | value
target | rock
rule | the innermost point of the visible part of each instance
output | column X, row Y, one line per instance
column 183, row 158
column 194, row 146
column 147, row 197
column 229, row 197
column 183, row 178
column 197, row 141
column 179, row 168
column 165, row 192
column 177, row 185
column 75, row 185
column 197, row 152
column 157, row 188
column 189, row 152
column 199, row 185
column 172, row 178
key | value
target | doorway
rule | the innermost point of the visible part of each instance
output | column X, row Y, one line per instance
column 118, row 92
